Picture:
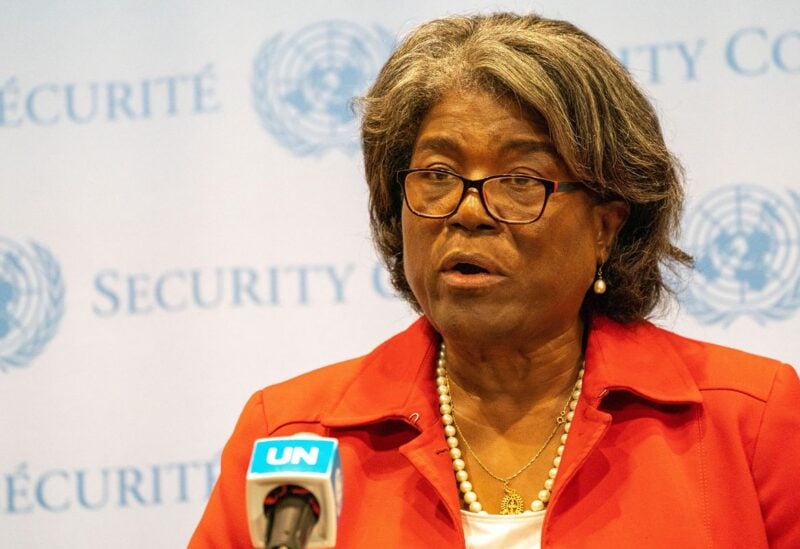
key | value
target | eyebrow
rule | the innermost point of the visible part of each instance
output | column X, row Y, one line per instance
column 438, row 144
column 441, row 144
column 528, row 146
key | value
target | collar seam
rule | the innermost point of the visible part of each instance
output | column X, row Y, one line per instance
column 392, row 412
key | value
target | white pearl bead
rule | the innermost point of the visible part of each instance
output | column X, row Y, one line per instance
column 452, row 442
column 599, row 286
column 440, row 371
column 442, row 389
column 567, row 425
column 445, row 409
column 552, row 472
column 447, row 419
column 548, row 484
column 570, row 415
column 557, row 461
column 564, row 438
column 573, row 404
column 544, row 495
column 441, row 380
column 580, row 373
column 560, row 450
column 537, row 505
column 449, row 430
column 470, row 497
column 476, row 507
column 455, row 453
column 465, row 487
column 462, row 475
column 458, row 464
column 444, row 399
column 579, row 383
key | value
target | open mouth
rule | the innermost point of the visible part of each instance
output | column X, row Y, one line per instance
column 469, row 269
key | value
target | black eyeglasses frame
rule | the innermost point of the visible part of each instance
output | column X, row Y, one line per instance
column 550, row 187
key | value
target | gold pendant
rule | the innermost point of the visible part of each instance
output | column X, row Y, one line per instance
column 512, row 503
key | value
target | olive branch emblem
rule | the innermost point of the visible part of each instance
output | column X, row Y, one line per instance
column 52, row 310
column 782, row 302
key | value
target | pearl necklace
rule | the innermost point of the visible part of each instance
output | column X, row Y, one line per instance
column 512, row 501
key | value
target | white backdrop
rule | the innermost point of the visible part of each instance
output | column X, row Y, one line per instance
column 183, row 221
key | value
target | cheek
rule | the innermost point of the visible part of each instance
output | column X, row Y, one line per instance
column 580, row 255
column 413, row 251
column 419, row 264
column 563, row 249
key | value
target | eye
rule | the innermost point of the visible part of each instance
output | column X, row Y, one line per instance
column 517, row 182
column 433, row 176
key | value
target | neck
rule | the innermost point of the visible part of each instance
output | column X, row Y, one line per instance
column 502, row 383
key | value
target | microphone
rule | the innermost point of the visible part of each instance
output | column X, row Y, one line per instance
column 294, row 492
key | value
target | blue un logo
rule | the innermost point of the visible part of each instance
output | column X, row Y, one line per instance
column 746, row 242
column 31, row 301
column 303, row 85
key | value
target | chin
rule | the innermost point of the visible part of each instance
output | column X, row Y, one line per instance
column 478, row 322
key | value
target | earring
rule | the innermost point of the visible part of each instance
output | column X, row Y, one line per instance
column 599, row 284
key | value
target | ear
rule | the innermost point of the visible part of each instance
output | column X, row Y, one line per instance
column 609, row 217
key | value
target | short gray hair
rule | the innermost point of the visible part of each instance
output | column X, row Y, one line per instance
column 600, row 122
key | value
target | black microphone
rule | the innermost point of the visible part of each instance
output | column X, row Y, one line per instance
column 291, row 511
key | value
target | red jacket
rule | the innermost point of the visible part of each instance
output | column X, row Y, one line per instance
column 675, row 443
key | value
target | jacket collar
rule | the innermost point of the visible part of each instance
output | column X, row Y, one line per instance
column 396, row 380
column 639, row 358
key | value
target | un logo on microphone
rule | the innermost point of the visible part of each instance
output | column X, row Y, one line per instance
column 303, row 85
column 31, row 301
column 746, row 244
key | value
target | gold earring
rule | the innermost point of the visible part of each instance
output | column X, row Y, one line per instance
column 599, row 284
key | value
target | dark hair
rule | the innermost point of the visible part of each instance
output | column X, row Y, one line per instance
column 601, row 124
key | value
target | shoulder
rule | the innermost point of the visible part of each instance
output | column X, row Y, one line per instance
column 716, row 367
column 371, row 381
column 304, row 397
column 669, row 367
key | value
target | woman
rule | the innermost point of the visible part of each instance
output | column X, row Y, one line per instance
column 524, row 201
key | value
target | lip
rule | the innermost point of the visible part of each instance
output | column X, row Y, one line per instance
column 479, row 260
column 456, row 279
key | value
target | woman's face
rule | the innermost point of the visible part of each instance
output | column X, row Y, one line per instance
column 525, row 281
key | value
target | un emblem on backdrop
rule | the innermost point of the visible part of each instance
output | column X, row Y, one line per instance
column 31, row 301
column 746, row 244
column 303, row 85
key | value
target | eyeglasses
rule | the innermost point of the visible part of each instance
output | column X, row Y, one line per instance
column 511, row 198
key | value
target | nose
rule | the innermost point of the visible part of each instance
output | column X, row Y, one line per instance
column 472, row 215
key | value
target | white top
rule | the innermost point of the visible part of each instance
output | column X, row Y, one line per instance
column 506, row 531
